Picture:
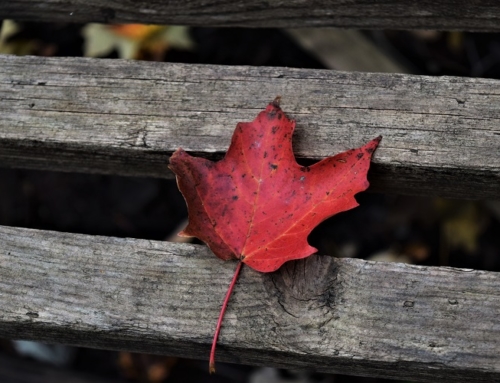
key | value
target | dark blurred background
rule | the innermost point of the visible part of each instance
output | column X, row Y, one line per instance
column 427, row 231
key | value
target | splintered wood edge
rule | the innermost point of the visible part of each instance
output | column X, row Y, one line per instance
column 333, row 315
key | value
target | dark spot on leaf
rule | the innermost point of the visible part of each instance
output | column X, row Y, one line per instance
column 279, row 116
column 274, row 129
column 243, row 175
column 273, row 166
column 327, row 193
column 234, row 197
column 370, row 150
column 305, row 169
column 359, row 156
column 265, row 154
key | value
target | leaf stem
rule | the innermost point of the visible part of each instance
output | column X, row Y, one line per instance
column 211, row 365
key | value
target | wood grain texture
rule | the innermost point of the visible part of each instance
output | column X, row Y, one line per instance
column 333, row 315
column 441, row 135
column 473, row 15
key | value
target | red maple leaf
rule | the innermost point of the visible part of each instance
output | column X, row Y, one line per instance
column 258, row 205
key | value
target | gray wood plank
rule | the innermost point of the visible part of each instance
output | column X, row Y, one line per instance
column 441, row 135
column 473, row 15
column 334, row 315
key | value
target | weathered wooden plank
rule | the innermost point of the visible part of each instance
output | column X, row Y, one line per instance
column 334, row 315
column 474, row 15
column 441, row 135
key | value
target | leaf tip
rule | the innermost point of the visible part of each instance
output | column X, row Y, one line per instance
column 377, row 140
column 372, row 145
column 276, row 102
column 179, row 152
